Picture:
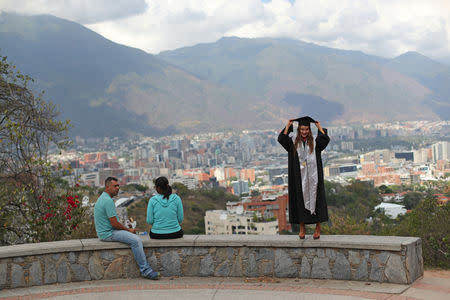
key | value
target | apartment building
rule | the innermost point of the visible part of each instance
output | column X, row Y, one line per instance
column 219, row 222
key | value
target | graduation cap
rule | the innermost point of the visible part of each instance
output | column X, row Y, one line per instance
column 303, row 121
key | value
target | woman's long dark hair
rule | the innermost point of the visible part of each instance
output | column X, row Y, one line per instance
column 163, row 184
column 309, row 139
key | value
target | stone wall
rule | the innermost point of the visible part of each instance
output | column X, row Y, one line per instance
column 366, row 258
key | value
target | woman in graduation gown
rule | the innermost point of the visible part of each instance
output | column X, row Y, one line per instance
column 307, row 203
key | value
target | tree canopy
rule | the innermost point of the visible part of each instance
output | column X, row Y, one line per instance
column 28, row 129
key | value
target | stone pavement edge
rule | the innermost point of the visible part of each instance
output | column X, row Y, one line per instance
column 435, row 285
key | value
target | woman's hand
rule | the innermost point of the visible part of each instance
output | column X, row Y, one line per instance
column 319, row 127
column 289, row 124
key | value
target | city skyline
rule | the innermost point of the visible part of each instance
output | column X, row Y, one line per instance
column 247, row 155
column 251, row 165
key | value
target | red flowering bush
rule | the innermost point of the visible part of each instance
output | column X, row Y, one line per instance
column 61, row 218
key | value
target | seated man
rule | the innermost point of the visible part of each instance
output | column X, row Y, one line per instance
column 110, row 230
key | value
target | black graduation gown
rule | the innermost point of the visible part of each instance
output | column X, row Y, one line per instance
column 297, row 212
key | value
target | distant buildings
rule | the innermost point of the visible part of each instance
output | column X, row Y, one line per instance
column 408, row 156
column 240, row 187
column 442, row 168
column 347, row 170
column 392, row 210
column 442, row 199
column 190, row 182
column 264, row 214
column 222, row 174
column 198, row 174
column 346, row 146
column 253, row 160
column 393, row 197
column 387, row 167
column 218, row 222
column 247, row 174
column 90, row 179
column 271, row 206
column 441, row 151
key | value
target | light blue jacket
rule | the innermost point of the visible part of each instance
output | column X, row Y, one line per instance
column 165, row 215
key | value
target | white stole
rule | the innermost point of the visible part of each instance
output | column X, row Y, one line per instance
column 308, row 170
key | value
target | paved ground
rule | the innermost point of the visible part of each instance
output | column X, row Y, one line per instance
column 435, row 285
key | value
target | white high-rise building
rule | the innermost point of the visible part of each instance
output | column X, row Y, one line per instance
column 421, row 156
column 219, row 173
column 441, row 151
column 190, row 182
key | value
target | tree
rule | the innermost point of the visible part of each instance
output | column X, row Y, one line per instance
column 411, row 199
column 357, row 199
column 429, row 221
column 385, row 189
column 180, row 189
column 255, row 193
column 28, row 129
column 344, row 224
column 134, row 187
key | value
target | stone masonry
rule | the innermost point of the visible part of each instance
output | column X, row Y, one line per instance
column 364, row 258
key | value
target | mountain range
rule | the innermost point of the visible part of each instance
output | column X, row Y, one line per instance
column 107, row 89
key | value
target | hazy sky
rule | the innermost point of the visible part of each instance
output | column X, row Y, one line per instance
column 381, row 27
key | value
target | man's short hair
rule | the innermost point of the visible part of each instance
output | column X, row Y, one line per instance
column 109, row 179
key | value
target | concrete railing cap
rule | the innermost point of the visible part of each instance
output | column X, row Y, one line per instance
column 365, row 242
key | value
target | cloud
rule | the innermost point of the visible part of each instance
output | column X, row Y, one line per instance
column 380, row 27
column 81, row 11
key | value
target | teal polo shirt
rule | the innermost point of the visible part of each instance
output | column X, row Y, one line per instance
column 103, row 210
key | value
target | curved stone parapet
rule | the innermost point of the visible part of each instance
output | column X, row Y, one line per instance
column 344, row 257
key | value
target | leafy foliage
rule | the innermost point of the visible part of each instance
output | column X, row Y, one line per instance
column 33, row 203
column 411, row 199
column 385, row 189
column 429, row 221
column 134, row 187
column 351, row 212
column 195, row 204
column 345, row 224
column 357, row 199
column 63, row 218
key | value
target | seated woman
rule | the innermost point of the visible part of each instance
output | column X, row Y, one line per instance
column 165, row 212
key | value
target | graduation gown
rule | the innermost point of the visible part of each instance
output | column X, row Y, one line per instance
column 297, row 211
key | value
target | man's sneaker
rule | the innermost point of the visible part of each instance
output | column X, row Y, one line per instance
column 153, row 275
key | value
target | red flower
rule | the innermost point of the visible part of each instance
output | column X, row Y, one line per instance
column 77, row 185
column 40, row 197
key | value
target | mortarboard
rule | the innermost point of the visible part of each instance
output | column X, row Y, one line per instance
column 303, row 121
